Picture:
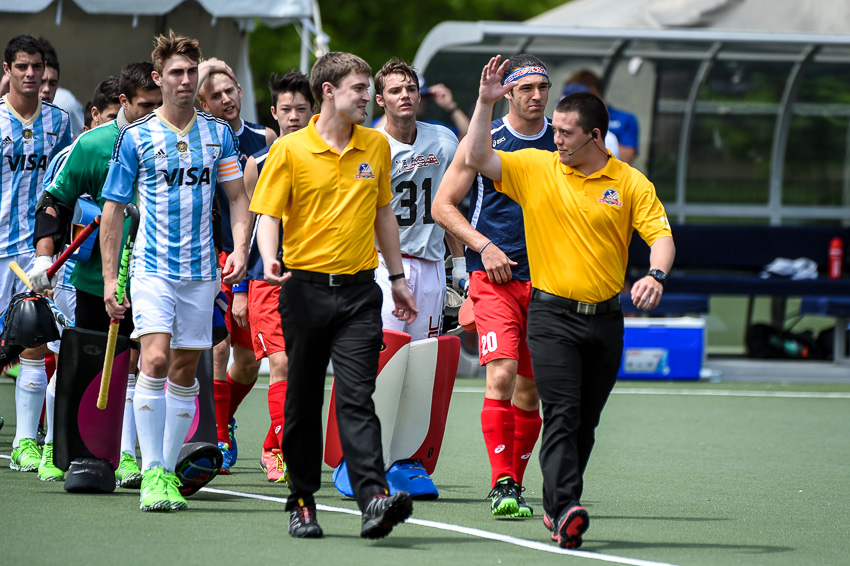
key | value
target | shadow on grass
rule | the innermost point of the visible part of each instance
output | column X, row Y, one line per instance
column 609, row 546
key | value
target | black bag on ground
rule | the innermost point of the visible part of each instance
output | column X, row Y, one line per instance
column 768, row 343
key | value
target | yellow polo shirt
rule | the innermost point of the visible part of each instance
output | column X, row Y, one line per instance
column 578, row 228
column 327, row 200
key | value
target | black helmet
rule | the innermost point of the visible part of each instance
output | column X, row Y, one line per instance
column 29, row 322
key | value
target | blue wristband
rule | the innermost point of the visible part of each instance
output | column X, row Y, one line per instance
column 241, row 287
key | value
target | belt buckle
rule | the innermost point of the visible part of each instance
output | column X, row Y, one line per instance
column 585, row 308
column 332, row 281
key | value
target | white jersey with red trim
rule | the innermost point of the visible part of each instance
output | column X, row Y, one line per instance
column 417, row 171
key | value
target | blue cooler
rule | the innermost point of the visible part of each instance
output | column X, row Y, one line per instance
column 85, row 210
column 663, row 348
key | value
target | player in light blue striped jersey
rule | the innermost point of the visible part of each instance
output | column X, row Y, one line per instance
column 172, row 160
column 32, row 131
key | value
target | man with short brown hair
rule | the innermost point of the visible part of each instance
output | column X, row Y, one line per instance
column 330, row 183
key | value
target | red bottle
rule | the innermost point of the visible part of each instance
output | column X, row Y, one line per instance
column 836, row 257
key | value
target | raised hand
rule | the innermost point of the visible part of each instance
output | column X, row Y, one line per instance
column 491, row 88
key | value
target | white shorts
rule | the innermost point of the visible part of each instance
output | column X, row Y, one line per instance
column 10, row 284
column 65, row 297
column 183, row 309
column 427, row 281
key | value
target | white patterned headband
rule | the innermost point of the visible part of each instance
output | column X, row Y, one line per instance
column 524, row 72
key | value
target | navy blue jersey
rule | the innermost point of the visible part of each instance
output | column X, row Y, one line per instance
column 255, row 260
column 495, row 215
column 252, row 138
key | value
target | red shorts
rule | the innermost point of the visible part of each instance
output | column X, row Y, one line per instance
column 501, row 317
column 266, row 331
column 238, row 335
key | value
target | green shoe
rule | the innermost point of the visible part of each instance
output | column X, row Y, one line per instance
column 153, row 495
column 13, row 370
column 47, row 471
column 525, row 509
column 504, row 498
column 128, row 474
column 26, row 457
column 172, row 487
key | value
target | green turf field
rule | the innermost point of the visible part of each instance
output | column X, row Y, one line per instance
column 682, row 473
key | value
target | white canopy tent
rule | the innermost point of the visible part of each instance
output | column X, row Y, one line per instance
column 95, row 38
column 743, row 104
column 814, row 16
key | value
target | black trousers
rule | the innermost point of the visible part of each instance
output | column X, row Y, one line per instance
column 91, row 315
column 575, row 359
column 342, row 324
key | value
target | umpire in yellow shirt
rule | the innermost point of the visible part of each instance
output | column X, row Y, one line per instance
column 330, row 184
column 581, row 206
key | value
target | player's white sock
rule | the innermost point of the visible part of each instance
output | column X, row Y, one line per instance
column 29, row 398
column 50, row 406
column 128, row 426
column 149, row 409
column 180, row 402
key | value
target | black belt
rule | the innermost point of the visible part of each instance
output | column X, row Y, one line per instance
column 334, row 279
column 611, row 305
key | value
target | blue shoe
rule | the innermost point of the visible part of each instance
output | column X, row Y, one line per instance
column 410, row 476
column 234, row 451
column 226, row 458
column 341, row 481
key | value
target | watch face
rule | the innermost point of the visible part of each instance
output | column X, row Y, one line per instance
column 658, row 275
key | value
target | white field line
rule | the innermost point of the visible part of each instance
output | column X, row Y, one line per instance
column 706, row 393
column 683, row 392
column 466, row 531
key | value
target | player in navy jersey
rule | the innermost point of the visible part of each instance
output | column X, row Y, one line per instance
column 221, row 96
column 500, row 283
column 32, row 131
column 172, row 160
column 293, row 107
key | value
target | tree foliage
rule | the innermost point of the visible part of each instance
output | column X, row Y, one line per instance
column 376, row 31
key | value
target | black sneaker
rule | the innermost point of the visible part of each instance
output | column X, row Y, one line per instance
column 571, row 525
column 303, row 524
column 550, row 526
column 383, row 513
column 504, row 498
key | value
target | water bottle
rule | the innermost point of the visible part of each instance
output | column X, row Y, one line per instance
column 836, row 257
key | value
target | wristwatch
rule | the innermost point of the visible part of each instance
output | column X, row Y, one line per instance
column 658, row 275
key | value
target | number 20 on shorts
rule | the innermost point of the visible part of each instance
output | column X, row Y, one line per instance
column 488, row 343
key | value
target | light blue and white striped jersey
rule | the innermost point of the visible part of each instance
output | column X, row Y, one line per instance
column 53, row 169
column 174, row 173
column 28, row 146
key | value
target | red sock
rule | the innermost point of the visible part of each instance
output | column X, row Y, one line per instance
column 528, row 424
column 238, row 392
column 497, row 424
column 277, row 397
column 221, row 390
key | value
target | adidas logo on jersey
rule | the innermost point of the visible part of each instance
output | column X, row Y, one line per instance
column 160, row 154
column 7, row 140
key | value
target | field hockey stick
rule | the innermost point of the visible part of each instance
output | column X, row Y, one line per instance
column 73, row 246
column 131, row 212
column 58, row 315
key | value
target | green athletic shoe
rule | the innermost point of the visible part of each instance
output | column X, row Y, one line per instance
column 525, row 509
column 47, row 471
column 504, row 498
column 128, row 474
column 172, row 488
column 153, row 495
column 26, row 457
